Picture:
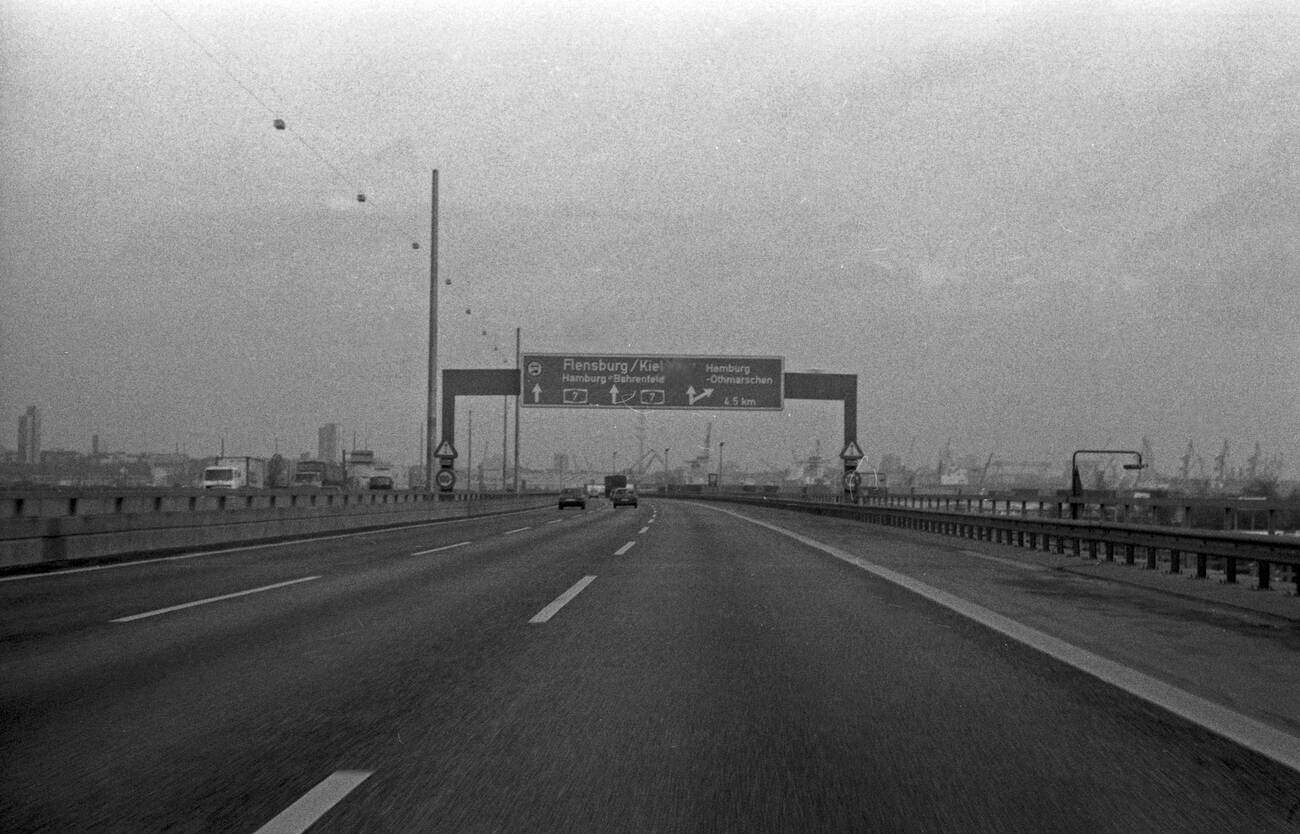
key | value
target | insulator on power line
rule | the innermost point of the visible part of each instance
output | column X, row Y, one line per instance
column 361, row 198
column 415, row 244
column 447, row 282
column 467, row 311
column 279, row 124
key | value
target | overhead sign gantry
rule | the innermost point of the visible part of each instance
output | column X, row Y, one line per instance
column 717, row 383
column 645, row 381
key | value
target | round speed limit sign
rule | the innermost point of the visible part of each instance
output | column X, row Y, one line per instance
column 445, row 479
column 852, row 480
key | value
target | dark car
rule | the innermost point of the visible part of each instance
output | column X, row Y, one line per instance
column 623, row 497
column 381, row 482
column 574, row 497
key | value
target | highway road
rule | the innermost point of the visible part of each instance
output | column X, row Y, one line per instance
column 669, row 668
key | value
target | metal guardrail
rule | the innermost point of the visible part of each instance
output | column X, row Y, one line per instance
column 1171, row 546
column 1217, row 512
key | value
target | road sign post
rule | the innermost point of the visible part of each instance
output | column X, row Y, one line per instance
column 446, row 475
column 851, row 454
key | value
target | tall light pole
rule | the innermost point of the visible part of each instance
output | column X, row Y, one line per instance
column 431, row 419
column 720, row 445
column 665, row 470
column 1076, row 483
column 518, row 348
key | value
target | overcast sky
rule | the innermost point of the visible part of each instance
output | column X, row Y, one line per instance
column 1029, row 227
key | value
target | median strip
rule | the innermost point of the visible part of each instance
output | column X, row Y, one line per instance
column 304, row 813
column 221, row 552
column 197, row 602
column 562, row 600
column 440, row 549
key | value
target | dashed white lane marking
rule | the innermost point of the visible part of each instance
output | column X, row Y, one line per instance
column 643, row 531
column 440, row 549
column 196, row 602
column 1254, row 735
column 304, row 813
column 1009, row 562
column 562, row 600
column 555, row 521
column 516, row 530
column 624, row 549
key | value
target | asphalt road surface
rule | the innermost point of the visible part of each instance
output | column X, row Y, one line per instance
column 665, row 668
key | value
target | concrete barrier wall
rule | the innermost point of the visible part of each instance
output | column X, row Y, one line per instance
column 58, row 503
column 238, row 519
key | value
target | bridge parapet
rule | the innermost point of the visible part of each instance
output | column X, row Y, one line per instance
column 65, row 527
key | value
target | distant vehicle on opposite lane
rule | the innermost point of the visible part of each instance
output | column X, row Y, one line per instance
column 574, row 497
column 623, row 497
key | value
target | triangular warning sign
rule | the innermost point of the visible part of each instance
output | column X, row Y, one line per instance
column 445, row 450
column 852, row 451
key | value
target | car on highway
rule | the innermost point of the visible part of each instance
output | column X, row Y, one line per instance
column 574, row 497
column 623, row 497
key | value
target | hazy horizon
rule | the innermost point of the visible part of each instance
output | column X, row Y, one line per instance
column 1027, row 227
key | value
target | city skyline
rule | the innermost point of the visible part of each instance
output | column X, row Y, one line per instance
column 1202, row 463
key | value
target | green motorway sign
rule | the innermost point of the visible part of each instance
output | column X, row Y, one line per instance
column 719, row 383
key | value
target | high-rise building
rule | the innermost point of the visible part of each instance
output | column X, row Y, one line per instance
column 327, row 442
column 29, row 436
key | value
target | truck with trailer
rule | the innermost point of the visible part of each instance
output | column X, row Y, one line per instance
column 613, row 482
column 360, row 467
column 318, row 474
column 235, row 473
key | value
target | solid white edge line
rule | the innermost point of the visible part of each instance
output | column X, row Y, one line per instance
column 440, row 549
column 1262, row 738
column 562, row 600
column 197, row 602
column 517, row 530
column 304, row 813
column 624, row 549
